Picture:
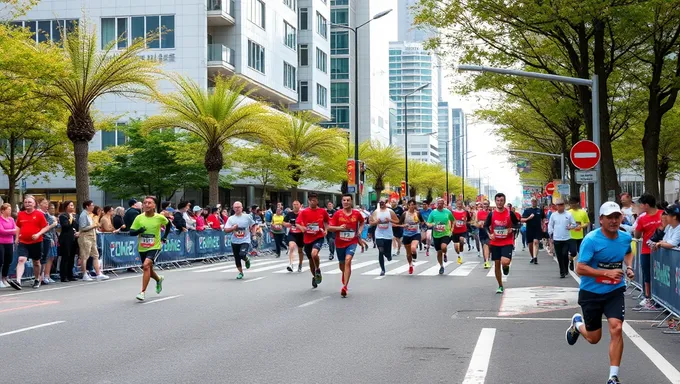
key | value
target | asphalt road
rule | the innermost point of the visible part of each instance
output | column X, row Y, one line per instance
column 272, row 327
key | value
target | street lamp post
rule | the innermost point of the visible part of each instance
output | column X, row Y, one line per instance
column 356, row 97
column 448, row 195
column 406, row 133
column 592, row 83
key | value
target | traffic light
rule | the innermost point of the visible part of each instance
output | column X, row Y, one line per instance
column 403, row 188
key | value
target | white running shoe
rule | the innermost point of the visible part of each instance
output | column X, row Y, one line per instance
column 102, row 276
column 644, row 302
column 87, row 277
column 2, row 285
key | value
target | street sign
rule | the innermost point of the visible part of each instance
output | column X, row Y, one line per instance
column 351, row 189
column 561, row 191
column 23, row 185
column 586, row 177
column 585, row 154
column 549, row 188
column 611, row 195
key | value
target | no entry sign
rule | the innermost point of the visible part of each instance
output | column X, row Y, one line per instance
column 585, row 154
column 550, row 188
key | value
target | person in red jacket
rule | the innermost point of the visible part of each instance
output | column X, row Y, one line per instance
column 214, row 220
column 500, row 224
column 31, row 225
column 313, row 221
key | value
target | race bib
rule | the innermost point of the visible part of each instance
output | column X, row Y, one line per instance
column 347, row 235
column 412, row 227
column 312, row 228
column 147, row 241
column 277, row 227
column 383, row 226
column 500, row 231
column 240, row 233
column 460, row 223
column 440, row 228
column 606, row 280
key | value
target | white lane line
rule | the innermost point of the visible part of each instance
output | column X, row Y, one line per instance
column 306, row 269
column 551, row 319
column 267, row 268
column 233, row 266
column 404, row 268
column 375, row 272
column 434, row 271
column 255, row 279
column 652, row 354
column 163, row 299
column 307, row 304
column 464, row 269
column 354, row 267
column 492, row 273
column 31, row 328
column 479, row 364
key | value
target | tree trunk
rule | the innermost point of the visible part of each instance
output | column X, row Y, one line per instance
column 662, row 188
column 213, row 162
column 264, row 197
column 80, row 149
column 12, row 186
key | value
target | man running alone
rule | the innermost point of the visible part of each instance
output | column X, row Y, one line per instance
column 242, row 228
column 348, row 225
column 499, row 223
column 313, row 221
column 460, row 228
column 147, row 227
column 441, row 220
column 600, row 265
column 410, row 221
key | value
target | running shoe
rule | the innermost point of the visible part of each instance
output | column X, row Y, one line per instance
column 441, row 270
column 314, row 284
column 239, row 276
column 102, row 276
column 531, row 261
column 388, row 257
column 330, row 257
column 427, row 252
column 382, row 273
column 487, row 265
column 317, row 276
column 343, row 291
column 2, row 285
column 44, row 281
column 140, row 296
column 289, row 268
column 506, row 269
column 500, row 290
column 446, row 259
column 414, row 256
column 410, row 269
column 300, row 268
column 50, row 280
column 14, row 284
column 87, row 277
column 159, row 284
column 479, row 254
column 247, row 262
column 573, row 333
column 460, row 260
column 36, row 284
column 644, row 302
column 571, row 265
column 613, row 380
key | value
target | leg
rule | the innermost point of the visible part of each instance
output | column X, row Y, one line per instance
column 485, row 250
column 616, row 342
column 147, row 267
column 95, row 258
column 291, row 251
column 497, row 271
column 48, row 267
column 348, row 270
column 381, row 253
column 8, row 256
column 563, row 256
column 36, row 269
column 414, row 248
column 440, row 254
column 20, row 268
column 237, row 256
column 531, row 248
column 277, row 244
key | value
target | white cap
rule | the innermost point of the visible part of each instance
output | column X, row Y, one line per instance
column 608, row 208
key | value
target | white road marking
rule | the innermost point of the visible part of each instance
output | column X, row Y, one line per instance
column 231, row 266
column 403, row 268
column 307, row 304
column 305, row 269
column 479, row 364
column 261, row 269
column 354, row 267
column 255, row 279
column 31, row 328
column 163, row 299
column 374, row 272
column 492, row 273
column 551, row 319
column 464, row 269
column 434, row 271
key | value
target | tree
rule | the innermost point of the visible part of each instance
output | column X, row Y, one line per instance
column 147, row 165
column 216, row 117
column 91, row 74
column 297, row 136
column 384, row 163
column 265, row 166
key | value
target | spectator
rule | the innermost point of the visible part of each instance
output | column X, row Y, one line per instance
column 67, row 241
column 198, row 215
column 49, row 240
column 189, row 217
column 178, row 217
column 224, row 216
column 131, row 213
column 214, row 220
column 8, row 229
column 87, row 241
column 32, row 225
column 671, row 237
column 118, row 221
column 165, row 205
column 106, row 222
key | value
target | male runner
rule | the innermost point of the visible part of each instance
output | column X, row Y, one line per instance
column 313, row 221
column 462, row 217
column 426, row 231
column 499, row 224
column 441, row 220
column 576, row 234
column 244, row 229
column 383, row 218
column 295, row 236
column 348, row 224
column 410, row 221
column 559, row 226
column 330, row 236
column 397, row 231
column 533, row 216
column 600, row 266
column 483, row 233
column 645, row 227
column 147, row 227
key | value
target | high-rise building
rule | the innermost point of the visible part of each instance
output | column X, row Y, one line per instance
column 372, row 76
column 459, row 128
column 406, row 30
column 445, row 135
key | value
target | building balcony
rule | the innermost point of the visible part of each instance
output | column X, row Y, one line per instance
column 220, row 60
column 221, row 13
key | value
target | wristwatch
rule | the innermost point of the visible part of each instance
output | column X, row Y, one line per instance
column 630, row 269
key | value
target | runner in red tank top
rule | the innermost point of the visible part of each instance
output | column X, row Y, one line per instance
column 347, row 225
column 499, row 224
column 461, row 217
column 313, row 221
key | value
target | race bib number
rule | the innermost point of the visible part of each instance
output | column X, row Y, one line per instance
column 347, row 235
column 147, row 241
column 312, row 228
column 277, row 227
column 412, row 227
column 500, row 232
column 460, row 223
column 607, row 280
column 240, row 233
column 440, row 228
column 383, row 226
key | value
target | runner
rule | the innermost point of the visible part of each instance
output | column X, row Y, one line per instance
column 383, row 218
column 397, row 231
column 483, row 233
column 148, row 227
column 441, row 220
column 244, row 228
column 516, row 228
column 600, row 266
column 348, row 223
column 313, row 221
column 31, row 225
column 410, row 221
column 277, row 229
column 474, row 228
column 499, row 224
column 533, row 216
column 426, row 231
column 462, row 217
column 645, row 227
column 330, row 236
column 559, row 227
column 295, row 237
column 576, row 234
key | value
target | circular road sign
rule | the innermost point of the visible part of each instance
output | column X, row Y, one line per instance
column 585, row 154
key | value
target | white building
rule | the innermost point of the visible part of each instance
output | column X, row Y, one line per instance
column 460, row 148
column 421, row 147
column 445, row 135
column 257, row 40
column 407, row 32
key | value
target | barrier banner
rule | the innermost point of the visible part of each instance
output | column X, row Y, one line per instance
column 666, row 278
column 209, row 242
column 174, row 249
column 119, row 251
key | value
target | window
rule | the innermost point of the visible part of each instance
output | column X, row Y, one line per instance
column 289, row 80
column 168, row 31
column 256, row 12
column 304, row 91
column 255, row 56
column 339, row 2
column 321, row 25
column 290, row 4
column 159, row 31
column 339, row 68
column 339, row 117
column 321, row 95
column 340, row 43
column 340, row 16
column 114, row 138
column 321, row 61
column 304, row 55
column 304, row 19
column 289, row 36
column 121, row 27
column 339, row 93
column 137, row 30
column 46, row 30
column 152, row 32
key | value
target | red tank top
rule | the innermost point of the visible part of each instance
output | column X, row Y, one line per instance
column 501, row 227
column 460, row 225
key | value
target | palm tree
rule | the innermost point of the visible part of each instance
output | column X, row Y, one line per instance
column 91, row 74
column 384, row 163
column 297, row 136
column 215, row 117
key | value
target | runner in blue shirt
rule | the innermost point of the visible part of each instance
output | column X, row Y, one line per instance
column 426, row 232
column 600, row 265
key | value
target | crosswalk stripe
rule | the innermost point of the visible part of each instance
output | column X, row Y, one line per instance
column 376, row 272
column 354, row 267
column 492, row 273
column 232, row 266
column 434, row 270
column 280, row 264
column 306, row 269
column 464, row 269
column 403, row 268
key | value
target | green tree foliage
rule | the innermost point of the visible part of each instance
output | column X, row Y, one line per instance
column 264, row 166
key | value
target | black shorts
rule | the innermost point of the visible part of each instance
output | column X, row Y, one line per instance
column 297, row 238
column 439, row 241
column 501, row 251
column 31, row 251
column 397, row 232
column 406, row 240
column 151, row 255
column 456, row 237
column 574, row 246
column 316, row 244
column 612, row 305
column 533, row 234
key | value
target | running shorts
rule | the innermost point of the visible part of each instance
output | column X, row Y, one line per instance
column 612, row 305
column 297, row 238
column 151, row 255
column 502, row 251
column 456, row 237
column 439, row 241
column 574, row 246
column 344, row 252
column 30, row 251
column 397, row 232
column 533, row 234
column 316, row 244
column 406, row 240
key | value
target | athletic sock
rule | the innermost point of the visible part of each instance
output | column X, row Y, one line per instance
column 578, row 325
column 613, row 371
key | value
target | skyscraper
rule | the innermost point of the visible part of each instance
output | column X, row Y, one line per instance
column 406, row 30
column 445, row 134
column 459, row 128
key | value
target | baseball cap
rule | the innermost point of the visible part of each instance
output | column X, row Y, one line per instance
column 197, row 208
column 608, row 208
column 132, row 202
column 673, row 209
column 170, row 209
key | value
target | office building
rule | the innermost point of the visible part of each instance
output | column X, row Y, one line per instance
column 406, row 30
column 421, row 147
column 445, row 135
column 460, row 148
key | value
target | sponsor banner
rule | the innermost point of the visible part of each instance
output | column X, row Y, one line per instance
column 666, row 278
